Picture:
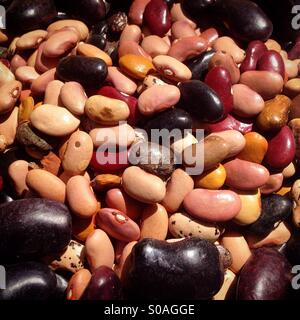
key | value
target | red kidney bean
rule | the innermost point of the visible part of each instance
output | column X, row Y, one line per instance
column 219, row 79
column 135, row 115
column 253, row 53
column 271, row 61
column 281, row 149
column 231, row 123
column 157, row 17
column 116, row 161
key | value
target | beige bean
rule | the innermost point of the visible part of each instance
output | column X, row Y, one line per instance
column 99, row 250
column 120, row 81
column 81, row 198
column 26, row 74
column 229, row 280
column 271, row 44
column 154, row 222
column 131, row 33
column 46, row 185
column 106, row 111
column 9, row 94
column 31, row 40
column 118, row 268
column 276, row 237
column 179, row 185
column 182, row 29
column 171, row 68
column 226, row 44
column 155, row 46
column 289, row 171
column 77, row 152
column 265, row 83
column 89, row 50
column 158, row 98
column 122, row 135
column 73, row 97
column 52, row 93
column 39, row 84
column 182, row 225
column 8, row 126
column 16, row 62
column 143, row 186
column 136, row 11
column 17, row 172
column 80, row 27
column 5, row 74
column 238, row 247
column 178, row 15
column 78, row 284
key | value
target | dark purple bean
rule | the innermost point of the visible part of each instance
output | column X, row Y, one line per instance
column 199, row 65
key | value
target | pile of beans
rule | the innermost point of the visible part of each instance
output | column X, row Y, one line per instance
column 77, row 76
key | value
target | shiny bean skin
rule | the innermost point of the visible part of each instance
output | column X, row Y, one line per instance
column 254, row 52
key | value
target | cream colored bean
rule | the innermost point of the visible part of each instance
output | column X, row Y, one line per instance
column 31, row 40
column 118, row 268
column 46, row 185
column 273, row 45
column 182, row 29
column 53, row 120
column 80, row 27
column 131, row 33
column 122, row 135
column 73, row 97
column 239, row 249
column 17, row 172
column 120, row 81
column 9, row 94
column 26, row 74
column 39, row 85
column 178, row 15
column 8, row 126
column 178, row 187
column 143, row 186
column 77, row 152
column 182, row 225
column 171, row 68
column 81, row 198
column 5, row 74
column 89, row 50
column 106, row 111
column 154, row 222
column 158, row 98
column 155, row 46
column 226, row 44
column 52, row 93
column 99, row 250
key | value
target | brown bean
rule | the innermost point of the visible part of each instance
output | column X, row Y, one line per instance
column 118, row 268
column 131, row 47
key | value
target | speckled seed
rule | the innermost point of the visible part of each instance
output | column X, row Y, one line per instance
column 212, row 205
column 158, row 98
column 118, row 267
column 135, row 66
column 89, row 50
column 265, row 83
column 17, row 172
column 171, row 68
column 273, row 184
column 238, row 247
column 154, row 222
column 8, row 126
column 212, row 179
column 73, row 97
column 81, row 198
column 276, row 237
column 9, row 94
column 143, row 186
column 46, row 185
column 226, row 44
column 251, row 207
column 106, row 111
column 179, row 185
column 116, row 224
column 72, row 259
column 255, row 148
column 78, row 25
column 52, row 93
column 229, row 279
column 182, row 225
column 31, row 40
column 53, row 120
column 77, row 284
column 99, row 250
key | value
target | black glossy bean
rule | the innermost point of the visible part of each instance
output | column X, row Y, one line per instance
column 90, row 72
column 201, row 101
column 199, row 65
column 97, row 40
column 195, row 9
